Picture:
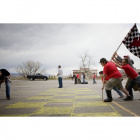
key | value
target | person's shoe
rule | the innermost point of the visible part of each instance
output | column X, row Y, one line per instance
column 8, row 98
column 121, row 96
column 108, row 100
column 128, row 98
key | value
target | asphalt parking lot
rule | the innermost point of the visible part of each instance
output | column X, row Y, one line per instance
column 43, row 98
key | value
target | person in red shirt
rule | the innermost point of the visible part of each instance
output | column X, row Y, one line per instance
column 78, row 79
column 135, row 78
column 94, row 77
column 115, row 79
column 130, row 62
column 77, row 75
column 114, row 88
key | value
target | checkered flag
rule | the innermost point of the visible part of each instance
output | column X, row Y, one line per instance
column 132, row 41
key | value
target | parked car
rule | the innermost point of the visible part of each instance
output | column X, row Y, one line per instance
column 37, row 76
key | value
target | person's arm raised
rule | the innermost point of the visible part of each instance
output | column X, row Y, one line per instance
column 118, row 65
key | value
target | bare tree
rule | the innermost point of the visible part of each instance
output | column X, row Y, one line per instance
column 36, row 67
column 29, row 68
column 86, row 62
column 21, row 71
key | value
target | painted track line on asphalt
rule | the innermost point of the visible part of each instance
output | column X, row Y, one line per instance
column 123, row 108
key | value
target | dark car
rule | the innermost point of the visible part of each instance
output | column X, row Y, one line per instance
column 37, row 76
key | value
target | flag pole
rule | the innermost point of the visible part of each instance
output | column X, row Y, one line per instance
column 116, row 50
column 102, row 96
column 118, row 47
column 102, row 88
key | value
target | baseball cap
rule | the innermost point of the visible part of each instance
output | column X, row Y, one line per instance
column 127, row 56
column 102, row 60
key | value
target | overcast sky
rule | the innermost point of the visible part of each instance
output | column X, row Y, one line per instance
column 60, row 44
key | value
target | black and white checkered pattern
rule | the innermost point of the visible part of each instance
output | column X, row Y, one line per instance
column 135, row 50
column 130, row 38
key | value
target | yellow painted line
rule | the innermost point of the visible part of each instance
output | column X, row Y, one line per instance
column 66, row 92
column 61, row 100
column 63, row 95
column 73, row 89
column 53, row 110
column 51, row 90
column 108, row 103
column 86, row 93
column 73, row 105
column 125, row 109
column 84, row 90
column 87, row 104
column 99, row 114
column 68, row 89
column 48, row 93
column 88, row 97
column 129, row 102
column 27, row 105
column 39, row 97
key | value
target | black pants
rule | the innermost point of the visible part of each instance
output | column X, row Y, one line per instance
column 76, row 80
column 131, row 84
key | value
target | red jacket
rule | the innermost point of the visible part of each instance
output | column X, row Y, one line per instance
column 77, row 75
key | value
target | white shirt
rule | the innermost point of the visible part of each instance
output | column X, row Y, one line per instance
column 60, row 72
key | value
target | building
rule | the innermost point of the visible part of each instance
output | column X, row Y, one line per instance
column 87, row 71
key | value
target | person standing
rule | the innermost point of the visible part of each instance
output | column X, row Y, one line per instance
column 82, row 77
column 75, row 77
column 60, row 76
column 94, row 77
column 78, row 79
column 5, row 77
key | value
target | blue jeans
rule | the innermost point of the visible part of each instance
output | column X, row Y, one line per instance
column 83, row 79
column 60, row 82
column 118, row 91
column 94, row 80
column 7, row 84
